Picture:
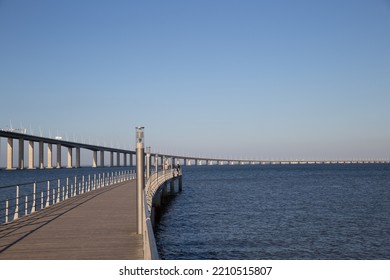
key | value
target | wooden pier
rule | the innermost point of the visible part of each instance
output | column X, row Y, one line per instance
column 95, row 225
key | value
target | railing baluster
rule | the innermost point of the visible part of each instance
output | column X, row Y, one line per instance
column 26, row 206
column 67, row 188
column 57, row 194
column 58, row 190
column 75, row 186
column 34, row 207
column 16, row 215
column 6, row 211
column 48, row 194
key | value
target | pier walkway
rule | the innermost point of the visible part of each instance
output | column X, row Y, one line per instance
column 97, row 225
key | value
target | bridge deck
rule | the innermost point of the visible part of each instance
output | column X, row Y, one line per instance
column 96, row 225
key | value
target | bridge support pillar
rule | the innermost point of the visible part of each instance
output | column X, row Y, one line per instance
column 70, row 157
column 125, row 159
column 49, row 155
column 94, row 159
column 77, row 157
column 118, row 159
column 164, row 193
column 111, row 159
column 10, row 153
column 30, row 154
column 40, row 155
column 21, row 153
column 101, row 158
column 131, row 160
column 58, row 156
column 172, row 187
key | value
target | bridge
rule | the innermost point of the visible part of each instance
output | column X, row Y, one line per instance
column 118, row 157
column 100, row 216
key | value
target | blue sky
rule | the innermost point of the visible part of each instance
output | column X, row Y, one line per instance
column 251, row 79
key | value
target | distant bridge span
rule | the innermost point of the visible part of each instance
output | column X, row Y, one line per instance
column 118, row 209
column 123, row 157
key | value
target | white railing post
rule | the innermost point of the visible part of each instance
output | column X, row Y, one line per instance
column 6, row 211
column 34, row 207
column 48, row 194
column 75, row 186
column 41, row 199
column 58, row 190
column 26, row 206
column 16, row 215
column 67, row 188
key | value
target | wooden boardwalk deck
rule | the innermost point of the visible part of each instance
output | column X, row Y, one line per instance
column 96, row 225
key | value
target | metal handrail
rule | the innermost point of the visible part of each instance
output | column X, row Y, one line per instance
column 155, row 182
column 152, row 185
column 150, row 247
column 43, row 197
column 56, row 178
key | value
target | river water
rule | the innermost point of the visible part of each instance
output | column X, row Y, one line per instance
column 264, row 211
column 279, row 212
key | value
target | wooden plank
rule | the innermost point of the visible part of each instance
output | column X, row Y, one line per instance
column 97, row 225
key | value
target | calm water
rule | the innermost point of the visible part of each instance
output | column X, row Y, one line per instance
column 279, row 212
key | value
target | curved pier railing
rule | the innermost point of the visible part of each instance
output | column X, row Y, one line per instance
column 155, row 181
column 24, row 199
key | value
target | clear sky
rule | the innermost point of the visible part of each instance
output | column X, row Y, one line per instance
column 263, row 79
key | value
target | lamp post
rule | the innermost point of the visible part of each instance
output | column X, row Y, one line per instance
column 147, row 162
column 140, row 154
